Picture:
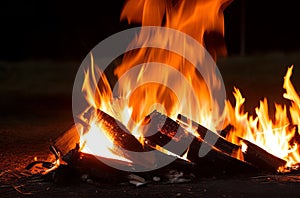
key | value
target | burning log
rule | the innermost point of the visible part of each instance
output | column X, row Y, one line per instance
column 215, row 162
column 210, row 137
column 80, row 163
column 96, row 167
column 218, row 163
column 120, row 134
column 226, row 130
column 68, row 140
column 261, row 158
column 255, row 155
column 166, row 130
column 122, row 138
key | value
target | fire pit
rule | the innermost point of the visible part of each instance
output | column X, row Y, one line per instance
column 142, row 121
column 163, row 128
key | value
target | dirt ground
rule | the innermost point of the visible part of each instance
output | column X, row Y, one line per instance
column 35, row 108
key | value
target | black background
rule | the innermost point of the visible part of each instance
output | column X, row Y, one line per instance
column 69, row 30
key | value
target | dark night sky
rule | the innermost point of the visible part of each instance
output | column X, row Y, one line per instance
column 61, row 29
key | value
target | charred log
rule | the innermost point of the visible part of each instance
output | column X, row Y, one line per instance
column 165, row 132
column 210, row 137
column 256, row 156
column 99, row 168
column 226, row 130
column 79, row 164
column 215, row 162
column 261, row 158
column 161, row 131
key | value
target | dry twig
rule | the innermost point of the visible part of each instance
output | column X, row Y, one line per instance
column 19, row 191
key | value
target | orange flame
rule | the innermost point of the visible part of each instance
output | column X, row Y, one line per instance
column 195, row 18
column 202, row 20
column 272, row 135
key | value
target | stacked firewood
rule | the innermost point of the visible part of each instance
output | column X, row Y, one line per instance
column 166, row 135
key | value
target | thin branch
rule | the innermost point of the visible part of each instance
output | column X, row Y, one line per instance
column 19, row 191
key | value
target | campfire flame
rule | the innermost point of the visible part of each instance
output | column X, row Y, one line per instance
column 97, row 142
column 134, row 104
column 183, row 16
column 197, row 19
column 275, row 136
